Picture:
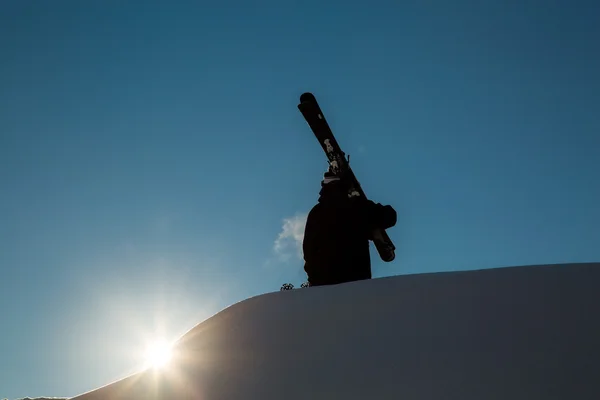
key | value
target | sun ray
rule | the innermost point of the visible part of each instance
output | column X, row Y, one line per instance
column 158, row 354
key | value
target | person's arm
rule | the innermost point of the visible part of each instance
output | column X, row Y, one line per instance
column 380, row 216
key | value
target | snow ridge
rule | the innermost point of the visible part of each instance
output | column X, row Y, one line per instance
column 506, row 333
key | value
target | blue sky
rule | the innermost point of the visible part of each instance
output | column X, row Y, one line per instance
column 149, row 156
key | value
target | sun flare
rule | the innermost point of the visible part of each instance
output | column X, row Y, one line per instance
column 158, row 354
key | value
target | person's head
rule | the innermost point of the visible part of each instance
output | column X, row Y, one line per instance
column 333, row 186
column 329, row 178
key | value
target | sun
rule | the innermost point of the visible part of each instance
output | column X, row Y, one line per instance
column 158, row 354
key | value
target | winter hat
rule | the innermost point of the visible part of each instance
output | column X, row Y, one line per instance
column 329, row 177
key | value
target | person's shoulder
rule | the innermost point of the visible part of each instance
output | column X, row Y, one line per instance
column 361, row 201
column 316, row 209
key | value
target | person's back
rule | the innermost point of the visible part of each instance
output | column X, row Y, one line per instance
column 337, row 233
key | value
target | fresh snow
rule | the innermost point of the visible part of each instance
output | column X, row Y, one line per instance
column 508, row 333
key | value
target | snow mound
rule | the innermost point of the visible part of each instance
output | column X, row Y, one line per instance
column 508, row 333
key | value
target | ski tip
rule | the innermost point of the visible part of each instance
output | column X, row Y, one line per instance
column 307, row 97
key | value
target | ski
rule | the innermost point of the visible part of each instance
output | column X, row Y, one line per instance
column 309, row 107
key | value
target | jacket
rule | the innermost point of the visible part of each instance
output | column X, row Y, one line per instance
column 337, row 234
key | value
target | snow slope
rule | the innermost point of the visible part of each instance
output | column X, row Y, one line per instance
column 508, row 333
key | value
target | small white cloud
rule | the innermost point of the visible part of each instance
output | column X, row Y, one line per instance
column 289, row 240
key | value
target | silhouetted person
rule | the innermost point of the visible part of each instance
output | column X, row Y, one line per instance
column 337, row 234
